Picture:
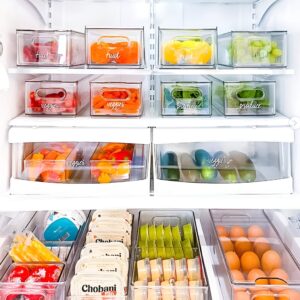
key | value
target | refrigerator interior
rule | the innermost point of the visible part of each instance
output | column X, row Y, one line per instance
column 150, row 15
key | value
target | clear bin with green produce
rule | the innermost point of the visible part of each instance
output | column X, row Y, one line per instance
column 253, row 49
column 167, row 257
column 185, row 98
column 223, row 162
column 244, row 98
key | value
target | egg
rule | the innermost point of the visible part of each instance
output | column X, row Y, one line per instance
column 278, row 277
column 233, row 260
column 249, row 261
column 241, row 295
column 270, row 261
column 237, row 232
column 263, row 295
column 227, row 244
column 255, row 231
column 242, row 245
column 289, row 295
column 222, row 231
column 261, row 245
column 258, row 277
column 237, row 276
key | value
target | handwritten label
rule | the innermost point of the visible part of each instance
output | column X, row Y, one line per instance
column 78, row 163
column 116, row 105
column 50, row 106
column 221, row 161
column 188, row 105
column 113, row 56
column 251, row 105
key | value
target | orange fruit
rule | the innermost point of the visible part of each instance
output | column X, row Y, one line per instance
column 261, row 245
column 222, row 231
column 237, row 276
column 227, row 244
column 233, row 260
column 242, row 245
column 237, row 232
column 270, row 260
column 249, row 261
column 255, row 231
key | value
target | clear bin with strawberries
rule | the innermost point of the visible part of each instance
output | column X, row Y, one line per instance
column 52, row 98
column 50, row 48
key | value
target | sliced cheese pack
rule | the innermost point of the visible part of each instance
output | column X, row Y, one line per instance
column 104, row 285
column 124, row 214
column 113, row 249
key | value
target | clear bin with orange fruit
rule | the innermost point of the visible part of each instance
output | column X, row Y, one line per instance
column 253, row 262
column 115, row 47
column 116, row 99
column 115, row 162
column 50, row 162
column 187, row 48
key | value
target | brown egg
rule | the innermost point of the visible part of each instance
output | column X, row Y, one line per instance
column 255, row 231
column 263, row 295
column 241, row 295
column 237, row 232
column 289, row 295
column 242, row 245
column 270, row 261
column 278, row 277
column 227, row 244
column 237, row 276
column 222, row 231
column 261, row 245
column 254, row 276
column 249, row 261
column 233, row 260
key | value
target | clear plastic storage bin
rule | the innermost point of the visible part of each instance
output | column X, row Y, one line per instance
column 187, row 48
column 185, row 98
column 115, row 162
column 115, row 47
column 223, row 162
column 167, row 260
column 53, row 98
column 50, row 48
column 244, row 98
column 116, row 99
column 253, row 49
column 252, row 261
column 49, row 162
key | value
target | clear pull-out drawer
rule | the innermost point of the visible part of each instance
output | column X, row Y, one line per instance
column 253, row 49
column 50, row 48
column 183, row 48
column 244, row 98
column 115, row 47
column 251, row 259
